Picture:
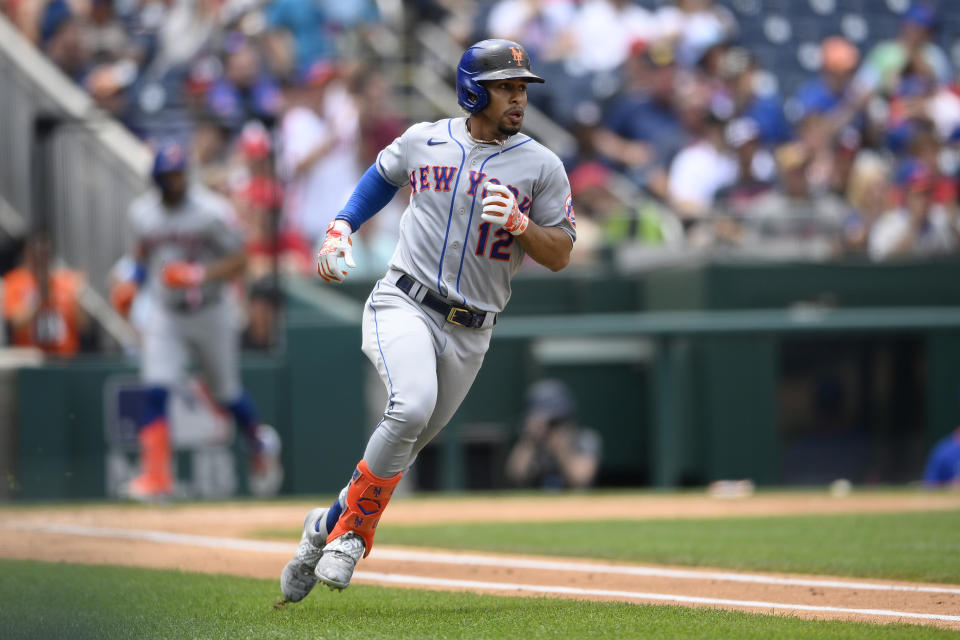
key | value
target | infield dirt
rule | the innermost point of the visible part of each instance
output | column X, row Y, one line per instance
column 30, row 533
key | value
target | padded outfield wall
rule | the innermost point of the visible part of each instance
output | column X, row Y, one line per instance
column 796, row 393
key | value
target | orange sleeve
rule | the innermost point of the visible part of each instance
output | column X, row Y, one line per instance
column 16, row 288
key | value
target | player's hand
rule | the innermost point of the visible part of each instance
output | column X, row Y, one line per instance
column 500, row 207
column 183, row 275
column 337, row 244
column 122, row 295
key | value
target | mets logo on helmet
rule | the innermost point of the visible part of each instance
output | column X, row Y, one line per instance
column 172, row 153
column 517, row 55
column 568, row 210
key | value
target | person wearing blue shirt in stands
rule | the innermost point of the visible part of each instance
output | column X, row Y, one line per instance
column 831, row 90
column 943, row 465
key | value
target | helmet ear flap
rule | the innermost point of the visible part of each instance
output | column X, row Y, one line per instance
column 471, row 95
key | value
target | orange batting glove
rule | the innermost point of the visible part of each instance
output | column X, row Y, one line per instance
column 183, row 275
column 500, row 207
column 122, row 295
column 337, row 244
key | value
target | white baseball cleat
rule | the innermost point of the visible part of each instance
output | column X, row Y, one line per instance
column 298, row 578
column 339, row 559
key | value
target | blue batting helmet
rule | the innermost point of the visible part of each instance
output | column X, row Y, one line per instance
column 171, row 156
column 490, row 60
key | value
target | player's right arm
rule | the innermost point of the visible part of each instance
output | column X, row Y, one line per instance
column 128, row 284
column 134, row 273
column 371, row 194
column 374, row 191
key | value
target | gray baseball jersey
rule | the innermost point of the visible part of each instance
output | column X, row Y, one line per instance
column 444, row 244
column 199, row 230
column 185, row 322
column 427, row 364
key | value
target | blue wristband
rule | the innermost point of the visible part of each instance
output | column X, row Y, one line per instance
column 139, row 274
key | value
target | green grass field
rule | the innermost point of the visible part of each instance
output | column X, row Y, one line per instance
column 40, row 600
column 908, row 546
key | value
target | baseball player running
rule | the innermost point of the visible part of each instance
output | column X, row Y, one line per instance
column 483, row 196
column 185, row 251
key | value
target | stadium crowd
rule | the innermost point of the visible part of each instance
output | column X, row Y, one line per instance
column 686, row 139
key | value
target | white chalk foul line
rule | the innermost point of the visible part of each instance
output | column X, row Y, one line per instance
column 432, row 557
column 658, row 597
column 164, row 537
column 651, row 572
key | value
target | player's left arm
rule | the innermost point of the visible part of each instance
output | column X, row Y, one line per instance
column 227, row 267
column 549, row 246
column 227, row 241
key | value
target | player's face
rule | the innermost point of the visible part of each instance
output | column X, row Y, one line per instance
column 174, row 187
column 508, row 100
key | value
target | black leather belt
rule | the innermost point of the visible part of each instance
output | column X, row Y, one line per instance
column 454, row 315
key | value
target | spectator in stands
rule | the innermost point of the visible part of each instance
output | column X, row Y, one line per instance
column 553, row 452
column 869, row 196
column 257, row 195
column 188, row 28
column 305, row 21
column 379, row 119
column 695, row 25
column 318, row 150
column 104, row 34
column 884, row 64
column 831, row 90
column 751, row 98
column 831, row 152
column 925, row 150
column 793, row 217
column 919, row 98
column 920, row 228
column 114, row 58
column 245, row 91
column 943, row 463
column 604, row 32
column 279, row 54
column 756, row 169
column 699, row 173
column 641, row 131
column 210, row 147
column 108, row 83
column 41, row 303
column 543, row 26
column 62, row 40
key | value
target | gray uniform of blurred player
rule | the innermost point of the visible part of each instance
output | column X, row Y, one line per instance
column 483, row 196
column 185, row 320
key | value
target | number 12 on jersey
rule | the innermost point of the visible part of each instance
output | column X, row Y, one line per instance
column 498, row 247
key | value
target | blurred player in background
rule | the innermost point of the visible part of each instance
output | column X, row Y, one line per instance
column 185, row 250
column 484, row 197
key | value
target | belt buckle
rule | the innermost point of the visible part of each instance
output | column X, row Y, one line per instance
column 453, row 311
